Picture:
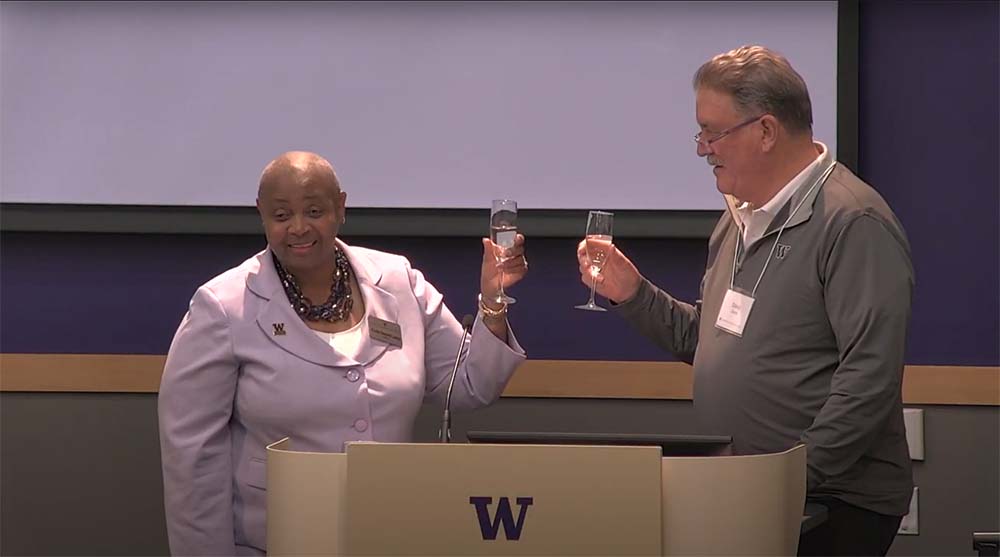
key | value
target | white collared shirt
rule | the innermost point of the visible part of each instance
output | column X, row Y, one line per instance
column 756, row 221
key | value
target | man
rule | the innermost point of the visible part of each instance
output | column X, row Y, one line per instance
column 800, row 333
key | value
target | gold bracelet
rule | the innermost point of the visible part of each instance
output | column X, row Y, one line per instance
column 490, row 313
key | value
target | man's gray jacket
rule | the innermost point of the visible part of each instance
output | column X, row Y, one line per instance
column 820, row 361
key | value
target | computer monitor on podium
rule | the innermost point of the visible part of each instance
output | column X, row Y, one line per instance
column 671, row 445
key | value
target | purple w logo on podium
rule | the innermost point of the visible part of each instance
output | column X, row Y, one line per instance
column 490, row 527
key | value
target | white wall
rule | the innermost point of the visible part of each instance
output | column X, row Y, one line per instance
column 557, row 105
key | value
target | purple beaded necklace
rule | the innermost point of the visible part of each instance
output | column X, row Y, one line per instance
column 336, row 308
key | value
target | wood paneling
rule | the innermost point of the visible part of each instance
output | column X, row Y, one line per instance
column 126, row 373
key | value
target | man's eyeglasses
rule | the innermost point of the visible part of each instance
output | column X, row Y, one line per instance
column 700, row 138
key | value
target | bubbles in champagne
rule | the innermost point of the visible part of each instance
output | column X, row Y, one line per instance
column 598, row 247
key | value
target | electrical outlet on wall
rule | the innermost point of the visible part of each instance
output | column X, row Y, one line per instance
column 910, row 526
column 913, row 421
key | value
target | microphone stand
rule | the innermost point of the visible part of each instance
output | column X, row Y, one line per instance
column 445, row 433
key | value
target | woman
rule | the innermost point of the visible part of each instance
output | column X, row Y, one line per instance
column 256, row 359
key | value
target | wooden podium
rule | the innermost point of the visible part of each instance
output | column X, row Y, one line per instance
column 472, row 499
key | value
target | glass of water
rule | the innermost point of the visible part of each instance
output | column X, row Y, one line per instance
column 503, row 232
column 598, row 241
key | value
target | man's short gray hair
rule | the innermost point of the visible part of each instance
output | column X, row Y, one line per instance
column 760, row 81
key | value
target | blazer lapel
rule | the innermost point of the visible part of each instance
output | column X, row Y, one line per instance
column 279, row 322
column 379, row 302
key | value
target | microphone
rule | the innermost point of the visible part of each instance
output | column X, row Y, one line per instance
column 445, row 432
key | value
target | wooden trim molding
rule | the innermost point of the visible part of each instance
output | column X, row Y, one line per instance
column 601, row 379
column 83, row 373
column 127, row 373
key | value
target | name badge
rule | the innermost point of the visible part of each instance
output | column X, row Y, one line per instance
column 734, row 312
column 385, row 331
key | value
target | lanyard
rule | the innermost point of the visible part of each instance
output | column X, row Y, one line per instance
column 739, row 235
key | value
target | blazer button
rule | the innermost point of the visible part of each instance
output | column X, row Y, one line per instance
column 353, row 375
column 360, row 425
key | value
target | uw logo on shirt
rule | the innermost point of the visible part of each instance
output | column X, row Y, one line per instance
column 782, row 250
column 489, row 526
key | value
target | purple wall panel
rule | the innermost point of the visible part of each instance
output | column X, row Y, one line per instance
column 929, row 143
column 117, row 293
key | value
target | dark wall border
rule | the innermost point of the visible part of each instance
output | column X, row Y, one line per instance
column 848, row 67
column 24, row 217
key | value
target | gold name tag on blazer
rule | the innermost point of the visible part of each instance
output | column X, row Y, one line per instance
column 385, row 331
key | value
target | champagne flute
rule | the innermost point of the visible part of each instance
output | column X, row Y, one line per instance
column 598, row 242
column 503, row 232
